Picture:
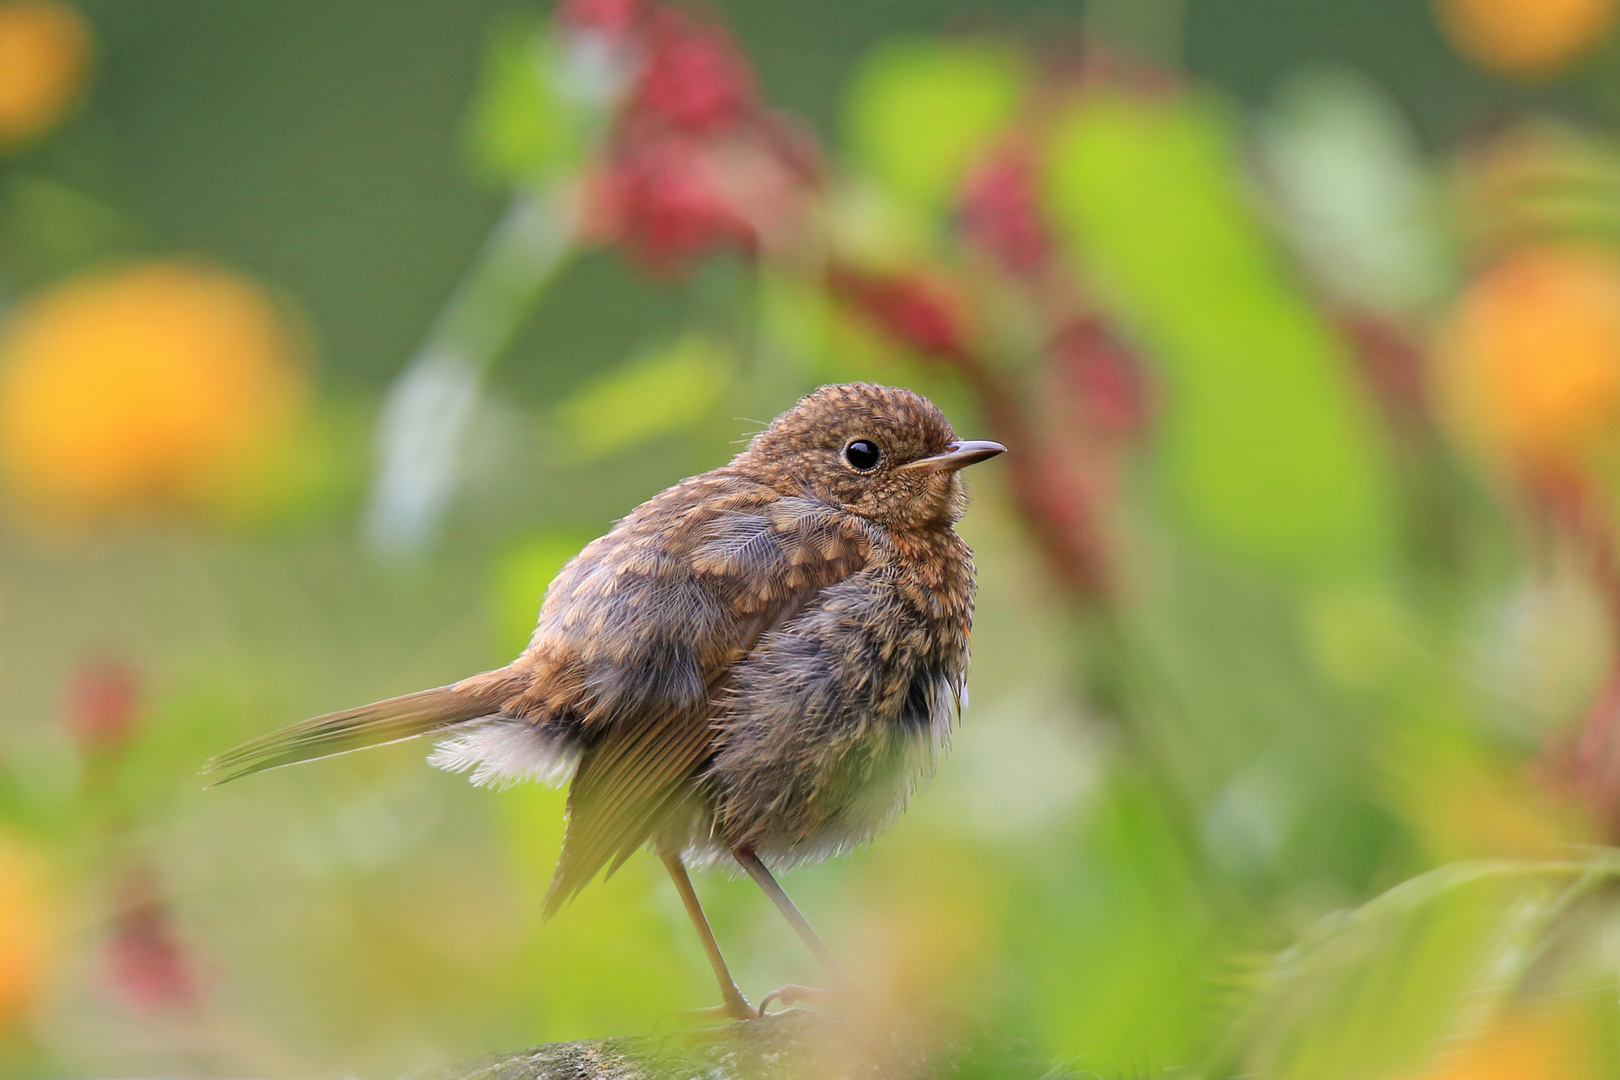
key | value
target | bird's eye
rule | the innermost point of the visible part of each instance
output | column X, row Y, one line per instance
column 863, row 455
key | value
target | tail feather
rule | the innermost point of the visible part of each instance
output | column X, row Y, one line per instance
column 377, row 724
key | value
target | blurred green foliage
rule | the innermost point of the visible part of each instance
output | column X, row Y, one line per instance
column 660, row 393
column 1151, row 194
column 523, row 127
column 921, row 112
column 1289, row 792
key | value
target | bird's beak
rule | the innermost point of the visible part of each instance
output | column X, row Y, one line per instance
column 963, row 452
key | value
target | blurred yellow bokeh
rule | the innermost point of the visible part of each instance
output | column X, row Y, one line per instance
column 159, row 386
column 1528, row 363
column 27, row 932
column 1528, row 39
column 1468, row 805
column 44, row 53
column 1544, row 1042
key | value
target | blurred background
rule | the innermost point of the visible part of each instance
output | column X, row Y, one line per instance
column 329, row 332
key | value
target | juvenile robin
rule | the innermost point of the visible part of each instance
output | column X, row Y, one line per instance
column 758, row 665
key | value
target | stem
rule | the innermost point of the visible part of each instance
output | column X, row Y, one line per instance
column 1593, row 762
column 421, row 434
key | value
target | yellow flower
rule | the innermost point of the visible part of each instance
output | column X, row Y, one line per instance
column 1525, row 38
column 28, row 932
column 1528, row 364
column 44, row 51
column 157, row 386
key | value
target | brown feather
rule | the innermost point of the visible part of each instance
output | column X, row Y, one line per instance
column 377, row 724
column 639, row 767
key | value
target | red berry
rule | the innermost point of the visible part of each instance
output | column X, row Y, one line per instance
column 695, row 78
column 1000, row 213
column 912, row 310
column 149, row 966
column 1101, row 376
column 102, row 706
column 661, row 202
column 611, row 17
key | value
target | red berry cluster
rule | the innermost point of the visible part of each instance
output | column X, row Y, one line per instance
column 147, row 963
column 695, row 78
column 695, row 163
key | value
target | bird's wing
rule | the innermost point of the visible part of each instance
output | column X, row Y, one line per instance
column 662, row 614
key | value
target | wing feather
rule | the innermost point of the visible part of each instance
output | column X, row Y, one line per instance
column 754, row 560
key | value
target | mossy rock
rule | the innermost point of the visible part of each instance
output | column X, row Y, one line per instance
column 927, row 1044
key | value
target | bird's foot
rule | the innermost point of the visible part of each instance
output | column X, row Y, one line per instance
column 734, row 1009
column 791, row 995
column 694, row 1026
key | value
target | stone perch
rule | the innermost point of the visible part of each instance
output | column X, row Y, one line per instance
column 934, row 1044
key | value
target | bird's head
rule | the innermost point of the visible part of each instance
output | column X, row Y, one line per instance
column 883, row 452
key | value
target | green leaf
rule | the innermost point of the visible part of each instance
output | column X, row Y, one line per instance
column 49, row 230
column 1266, row 441
column 521, row 128
column 1122, row 941
column 1369, row 992
column 662, row 392
column 921, row 112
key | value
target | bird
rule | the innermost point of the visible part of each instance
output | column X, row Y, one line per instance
column 754, row 668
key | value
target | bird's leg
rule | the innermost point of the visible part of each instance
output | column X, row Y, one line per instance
column 790, row 911
column 791, row 994
column 735, row 1005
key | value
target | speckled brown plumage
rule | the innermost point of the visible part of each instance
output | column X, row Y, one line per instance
column 763, row 659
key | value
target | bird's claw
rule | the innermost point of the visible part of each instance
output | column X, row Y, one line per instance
column 792, row 994
column 691, row 1026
